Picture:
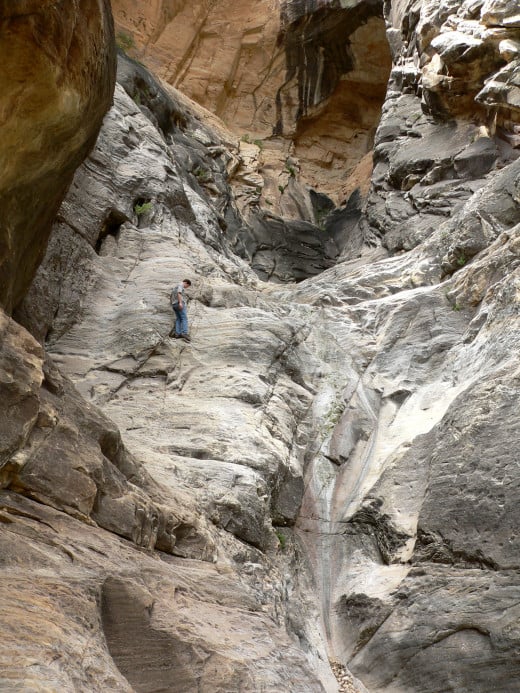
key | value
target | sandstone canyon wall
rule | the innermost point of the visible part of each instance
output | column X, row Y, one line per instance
column 327, row 473
column 304, row 80
column 58, row 75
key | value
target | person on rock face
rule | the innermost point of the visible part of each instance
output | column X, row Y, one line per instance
column 178, row 299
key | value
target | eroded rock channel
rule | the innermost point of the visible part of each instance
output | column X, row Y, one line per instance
column 319, row 492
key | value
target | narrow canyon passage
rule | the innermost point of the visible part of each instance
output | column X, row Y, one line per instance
column 319, row 492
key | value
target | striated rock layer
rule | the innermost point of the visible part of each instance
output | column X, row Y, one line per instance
column 58, row 77
column 209, row 471
column 436, row 144
column 411, row 494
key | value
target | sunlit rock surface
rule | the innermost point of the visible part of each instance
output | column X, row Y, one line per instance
column 305, row 80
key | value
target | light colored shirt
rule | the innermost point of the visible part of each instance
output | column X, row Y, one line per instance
column 175, row 296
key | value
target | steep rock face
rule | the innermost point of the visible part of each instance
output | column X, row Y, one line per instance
column 215, row 52
column 413, row 528
column 365, row 414
column 436, row 143
column 313, row 73
column 59, row 70
column 213, row 431
column 410, row 496
column 63, row 453
column 128, row 620
column 345, row 407
column 179, row 233
column 80, row 517
column 275, row 247
column 337, row 62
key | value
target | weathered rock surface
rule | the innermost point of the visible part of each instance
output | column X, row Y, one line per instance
column 305, row 78
column 63, row 453
column 343, row 448
column 58, row 77
column 224, row 427
column 99, row 615
column 436, row 144
column 415, row 519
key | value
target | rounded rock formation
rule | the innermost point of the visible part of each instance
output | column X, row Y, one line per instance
column 58, row 63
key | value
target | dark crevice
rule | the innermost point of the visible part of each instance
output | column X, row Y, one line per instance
column 432, row 547
column 369, row 520
column 152, row 99
column 111, row 227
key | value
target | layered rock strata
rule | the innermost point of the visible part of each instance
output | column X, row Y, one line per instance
column 345, row 444
column 222, row 469
column 436, row 144
column 413, row 435
column 87, row 611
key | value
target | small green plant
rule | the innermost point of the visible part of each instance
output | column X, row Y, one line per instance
column 201, row 174
column 268, row 202
column 461, row 260
column 247, row 138
column 456, row 306
column 333, row 416
column 321, row 217
column 142, row 207
column 125, row 41
column 290, row 170
column 282, row 539
column 281, row 188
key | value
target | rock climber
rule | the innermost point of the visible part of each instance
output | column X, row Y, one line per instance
column 179, row 301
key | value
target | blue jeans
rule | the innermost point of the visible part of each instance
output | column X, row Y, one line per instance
column 181, row 320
